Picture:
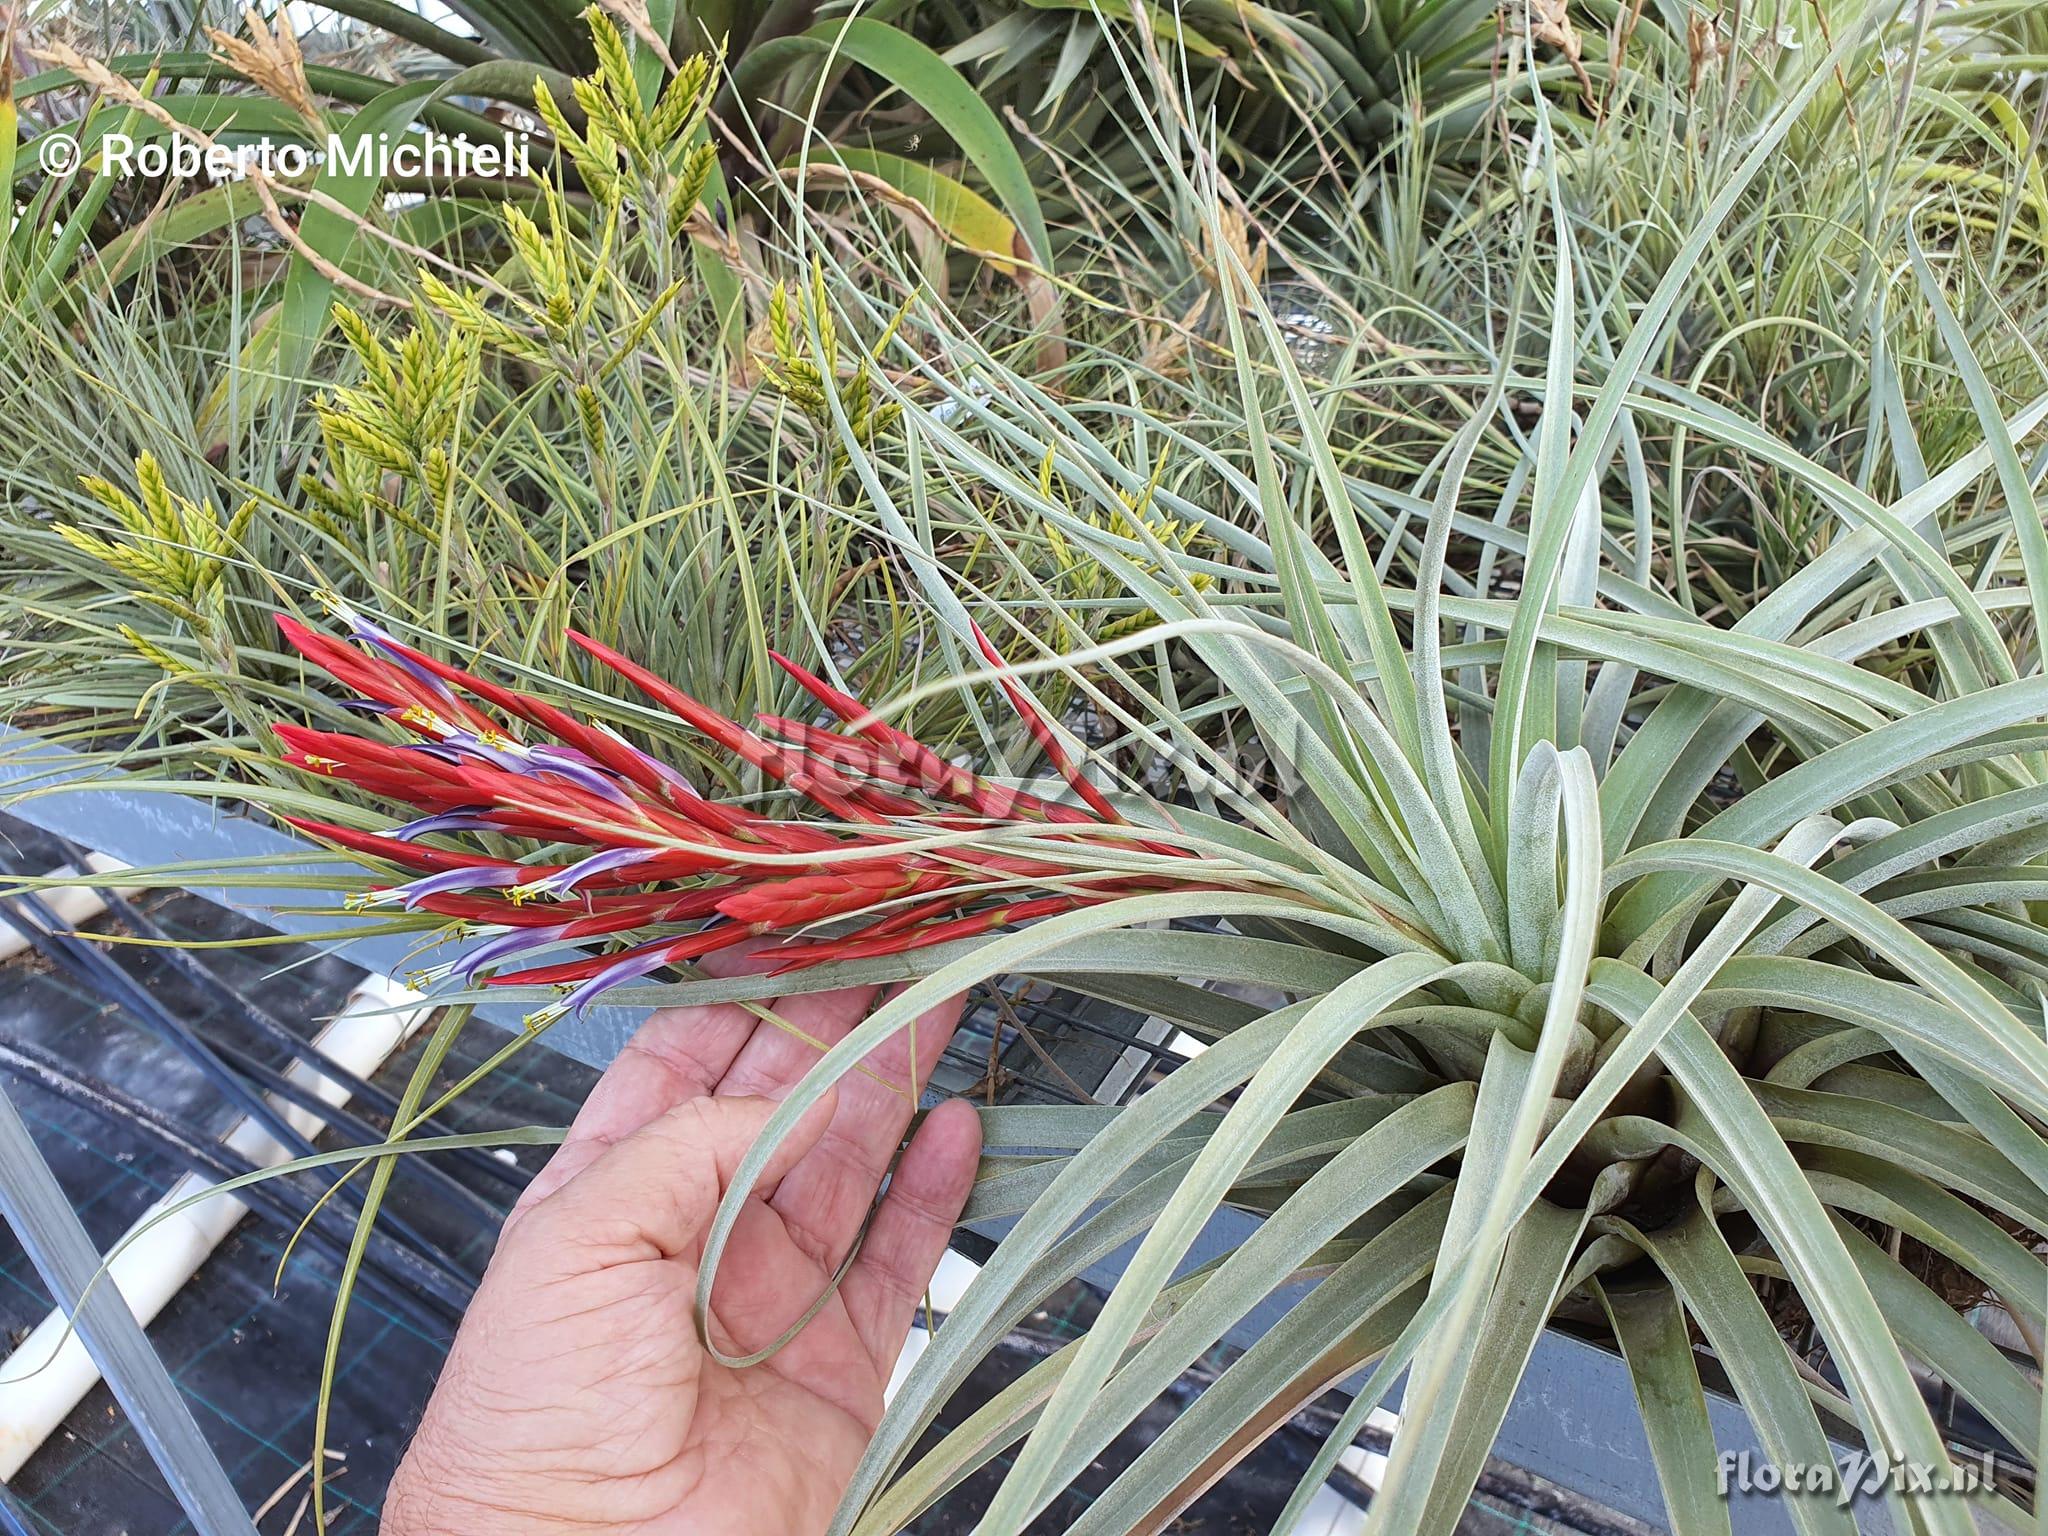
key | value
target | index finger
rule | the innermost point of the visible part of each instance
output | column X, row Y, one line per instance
column 678, row 1054
column 826, row 1196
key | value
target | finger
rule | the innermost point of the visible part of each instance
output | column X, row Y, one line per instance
column 777, row 1056
column 653, row 1194
column 766, row 1289
column 677, row 1054
column 903, row 1247
column 826, row 1197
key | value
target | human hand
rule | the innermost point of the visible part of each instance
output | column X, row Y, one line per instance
column 577, row 1396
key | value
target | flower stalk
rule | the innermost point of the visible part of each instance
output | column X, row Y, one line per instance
column 628, row 854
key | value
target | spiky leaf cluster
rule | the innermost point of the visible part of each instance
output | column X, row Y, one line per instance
column 551, row 325
column 653, row 156
column 1134, row 519
column 405, row 416
column 803, row 364
column 175, row 550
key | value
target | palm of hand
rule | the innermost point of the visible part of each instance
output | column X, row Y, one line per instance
column 578, row 1397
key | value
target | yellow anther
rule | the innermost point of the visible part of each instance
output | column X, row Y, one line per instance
column 540, row 1018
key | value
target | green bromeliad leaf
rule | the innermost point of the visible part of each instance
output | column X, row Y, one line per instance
column 914, row 69
column 956, row 209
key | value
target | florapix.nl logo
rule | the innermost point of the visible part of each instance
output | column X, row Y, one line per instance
column 1859, row 1474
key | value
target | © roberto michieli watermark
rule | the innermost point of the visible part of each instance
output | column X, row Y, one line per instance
column 450, row 156
column 1859, row 1474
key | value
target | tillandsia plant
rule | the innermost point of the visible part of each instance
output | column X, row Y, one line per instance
column 1675, row 983
column 1558, row 1038
column 1680, row 984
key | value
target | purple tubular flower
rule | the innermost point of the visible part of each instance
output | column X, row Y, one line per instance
column 505, row 946
column 565, row 881
column 577, row 769
column 465, row 820
column 456, row 880
column 630, row 965
column 469, row 744
column 387, row 645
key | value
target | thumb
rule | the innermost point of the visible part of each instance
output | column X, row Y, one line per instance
column 660, row 1186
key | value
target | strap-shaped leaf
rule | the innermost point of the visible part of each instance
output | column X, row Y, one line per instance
column 934, row 85
column 1321, row 1028
column 1650, row 1326
column 1740, row 1144
column 1718, row 1296
column 1997, row 1028
column 1521, row 685
column 2013, row 479
column 1372, row 1168
column 1933, row 1332
column 1083, row 950
column 1921, row 1208
column 1340, row 1326
column 954, row 209
column 1539, row 1252
column 1312, row 1135
column 308, row 291
column 1942, row 1152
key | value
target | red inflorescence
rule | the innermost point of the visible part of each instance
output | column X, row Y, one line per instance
column 652, row 854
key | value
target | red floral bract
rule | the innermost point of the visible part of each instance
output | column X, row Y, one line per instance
column 635, row 853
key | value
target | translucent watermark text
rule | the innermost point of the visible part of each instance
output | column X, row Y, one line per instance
column 1858, row 1474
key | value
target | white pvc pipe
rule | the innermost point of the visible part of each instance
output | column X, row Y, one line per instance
column 50, row 1371
column 74, row 903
